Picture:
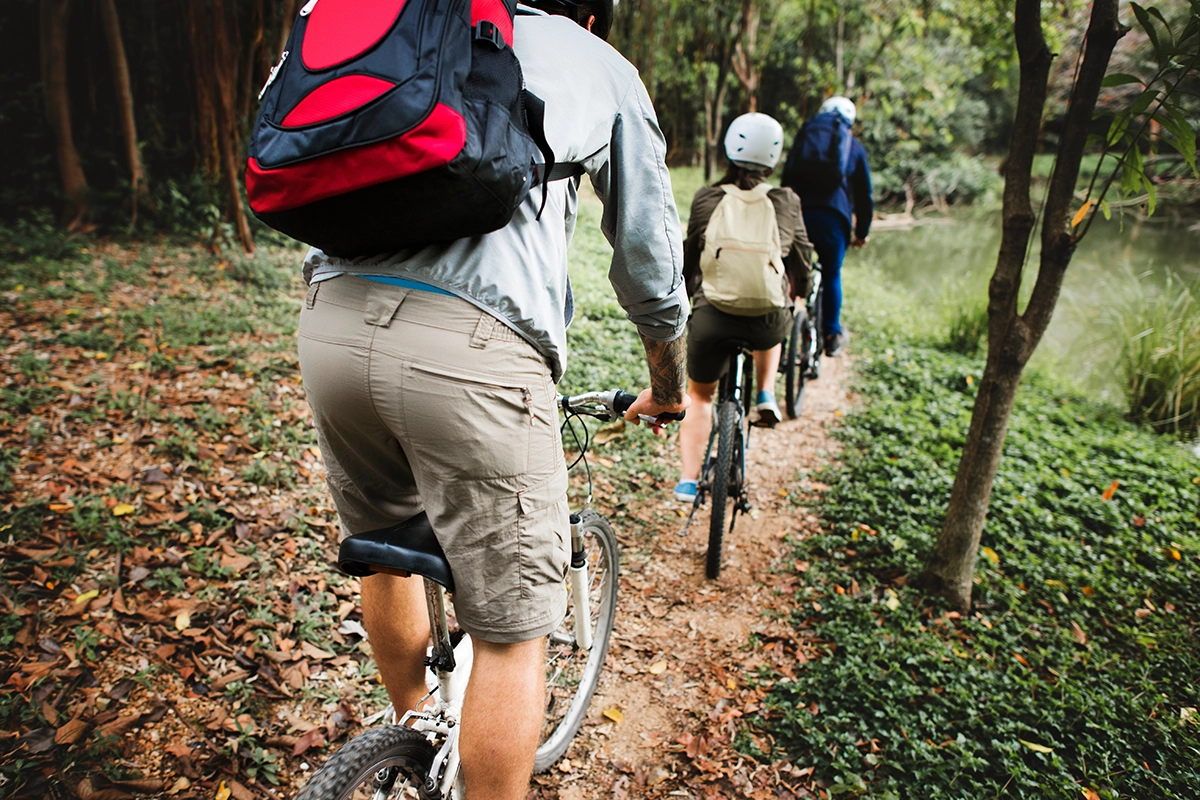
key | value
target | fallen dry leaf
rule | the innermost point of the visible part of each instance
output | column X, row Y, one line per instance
column 71, row 731
column 313, row 738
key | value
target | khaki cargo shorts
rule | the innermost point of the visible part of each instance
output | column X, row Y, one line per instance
column 422, row 401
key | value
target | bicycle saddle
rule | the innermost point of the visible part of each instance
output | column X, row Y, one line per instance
column 409, row 546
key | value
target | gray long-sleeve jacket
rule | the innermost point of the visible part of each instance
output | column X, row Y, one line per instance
column 597, row 114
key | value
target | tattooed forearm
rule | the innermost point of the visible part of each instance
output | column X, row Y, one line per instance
column 666, row 361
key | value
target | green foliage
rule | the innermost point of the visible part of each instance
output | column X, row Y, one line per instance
column 1157, row 330
column 1162, row 100
column 1077, row 668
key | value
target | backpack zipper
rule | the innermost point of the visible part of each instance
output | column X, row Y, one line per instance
column 275, row 69
column 308, row 8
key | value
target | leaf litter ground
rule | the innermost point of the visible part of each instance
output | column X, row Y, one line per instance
column 171, row 624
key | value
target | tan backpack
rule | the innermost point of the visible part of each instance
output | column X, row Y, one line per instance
column 742, row 262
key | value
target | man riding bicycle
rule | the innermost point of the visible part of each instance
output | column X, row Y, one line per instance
column 753, row 145
column 431, row 373
column 838, row 217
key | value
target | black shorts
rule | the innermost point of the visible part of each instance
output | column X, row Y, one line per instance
column 709, row 330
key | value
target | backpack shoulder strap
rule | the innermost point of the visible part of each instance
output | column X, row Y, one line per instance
column 551, row 170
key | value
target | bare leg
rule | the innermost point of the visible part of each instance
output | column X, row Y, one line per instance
column 502, row 719
column 766, row 367
column 397, row 622
column 693, row 431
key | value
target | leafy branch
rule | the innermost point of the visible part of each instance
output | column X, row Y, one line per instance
column 1170, row 115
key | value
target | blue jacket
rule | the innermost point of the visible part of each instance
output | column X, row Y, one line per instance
column 853, row 196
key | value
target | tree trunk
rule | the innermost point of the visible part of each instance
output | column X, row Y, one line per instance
column 53, row 39
column 289, row 19
column 839, row 52
column 808, row 47
column 745, row 56
column 216, row 64
column 1013, row 337
column 124, row 92
column 727, row 32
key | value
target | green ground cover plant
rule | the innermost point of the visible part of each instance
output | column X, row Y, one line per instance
column 1076, row 673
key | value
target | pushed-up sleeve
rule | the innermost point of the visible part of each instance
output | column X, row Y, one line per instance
column 640, row 220
column 793, row 239
column 860, row 183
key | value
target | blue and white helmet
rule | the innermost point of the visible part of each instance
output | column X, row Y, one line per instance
column 841, row 105
column 754, row 140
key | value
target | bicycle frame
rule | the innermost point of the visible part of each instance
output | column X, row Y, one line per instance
column 449, row 665
column 736, row 384
column 816, row 343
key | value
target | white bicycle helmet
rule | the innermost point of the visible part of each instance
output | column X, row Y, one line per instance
column 754, row 140
column 842, row 105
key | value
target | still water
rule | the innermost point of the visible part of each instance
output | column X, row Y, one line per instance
column 941, row 259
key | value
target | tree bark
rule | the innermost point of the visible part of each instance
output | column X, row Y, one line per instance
column 53, row 40
column 214, row 57
column 289, row 19
column 124, row 92
column 727, row 32
column 745, row 55
column 1012, row 337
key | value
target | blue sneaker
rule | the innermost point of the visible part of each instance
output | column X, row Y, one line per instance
column 685, row 491
column 768, row 413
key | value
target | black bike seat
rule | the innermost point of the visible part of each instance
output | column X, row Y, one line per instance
column 409, row 546
column 734, row 345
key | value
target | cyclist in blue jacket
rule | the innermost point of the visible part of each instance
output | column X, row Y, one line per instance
column 836, row 220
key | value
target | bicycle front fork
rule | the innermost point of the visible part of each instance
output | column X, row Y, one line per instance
column 580, row 585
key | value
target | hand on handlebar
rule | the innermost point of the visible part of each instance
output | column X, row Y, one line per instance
column 645, row 409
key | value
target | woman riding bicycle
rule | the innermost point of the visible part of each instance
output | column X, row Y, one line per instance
column 743, row 270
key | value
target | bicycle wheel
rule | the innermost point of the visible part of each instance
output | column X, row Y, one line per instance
column 793, row 372
column 572, row 673
column 382, row 762
column 722, row 485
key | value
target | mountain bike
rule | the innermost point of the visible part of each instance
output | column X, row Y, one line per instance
column 800, row 360
column 416, row 755
column 723, row 476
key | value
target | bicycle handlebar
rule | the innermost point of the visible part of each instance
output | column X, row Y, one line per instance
column 610, row 405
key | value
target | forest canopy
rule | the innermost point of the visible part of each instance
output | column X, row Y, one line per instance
column 934, row 81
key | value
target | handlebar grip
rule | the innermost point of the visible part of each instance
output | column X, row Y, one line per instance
column 623, row 400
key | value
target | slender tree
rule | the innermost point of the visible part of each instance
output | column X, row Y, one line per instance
column 53, row 40
column 746, row 55
column 124, row 93
column 214, row 57
column 1013, row 335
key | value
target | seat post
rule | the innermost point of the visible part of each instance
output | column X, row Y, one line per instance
column 442, row 659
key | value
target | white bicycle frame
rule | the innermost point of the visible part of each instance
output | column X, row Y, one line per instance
column 449, row 668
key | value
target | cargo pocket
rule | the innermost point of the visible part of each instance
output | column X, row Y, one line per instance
column 476, row 427
column 543, row 539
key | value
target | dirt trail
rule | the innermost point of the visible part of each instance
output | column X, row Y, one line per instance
column 675, row 684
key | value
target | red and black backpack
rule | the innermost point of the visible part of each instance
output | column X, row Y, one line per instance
column 394, row 123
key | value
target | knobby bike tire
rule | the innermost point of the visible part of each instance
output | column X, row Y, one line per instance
column 354, row 771
column 793, row 372
column 572, row 674
column 727, row 422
